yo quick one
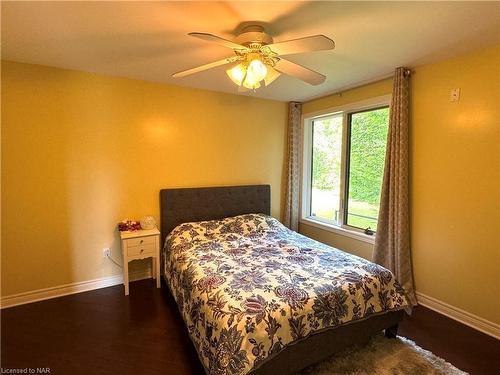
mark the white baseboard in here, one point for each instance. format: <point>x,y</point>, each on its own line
<point>459,315</point>
<point>63,290</point>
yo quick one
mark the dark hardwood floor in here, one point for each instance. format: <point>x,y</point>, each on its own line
<point>104,332</point>
<point>464,347</point>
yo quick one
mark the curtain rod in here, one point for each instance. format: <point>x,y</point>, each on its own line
<point>350,87</point>
<point>339,91</point>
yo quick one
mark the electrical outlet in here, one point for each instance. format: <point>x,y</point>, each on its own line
<point>454,95</point>
<point>106,252</point>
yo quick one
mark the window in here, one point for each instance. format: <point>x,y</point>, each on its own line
<point>326,156</point>
<point>344,154</point>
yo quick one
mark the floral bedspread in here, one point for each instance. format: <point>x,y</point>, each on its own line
<point>247,287</point>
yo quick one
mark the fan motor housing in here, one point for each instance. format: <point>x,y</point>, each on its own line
<point>253,34</point>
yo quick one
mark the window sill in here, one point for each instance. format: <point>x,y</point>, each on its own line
<point>338,230</point>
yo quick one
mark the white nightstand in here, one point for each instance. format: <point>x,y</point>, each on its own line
<point>141,244</point>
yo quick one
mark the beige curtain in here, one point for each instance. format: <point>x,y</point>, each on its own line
<point>392,242</point>
<point>291,211</point>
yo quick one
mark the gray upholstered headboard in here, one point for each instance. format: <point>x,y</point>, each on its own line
<point>179,206</point>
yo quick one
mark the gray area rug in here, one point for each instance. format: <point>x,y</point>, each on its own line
<point>383,356</point>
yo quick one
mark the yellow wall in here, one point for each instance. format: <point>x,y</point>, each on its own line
<point>82,151</point>
<point>455,179</point>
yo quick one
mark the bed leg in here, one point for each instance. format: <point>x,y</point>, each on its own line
<point>391,332</point>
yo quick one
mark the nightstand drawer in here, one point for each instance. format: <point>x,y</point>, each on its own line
<point>141,249</point>
<point>141,241</point>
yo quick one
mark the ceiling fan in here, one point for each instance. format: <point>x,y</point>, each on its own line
<point>256,58</point>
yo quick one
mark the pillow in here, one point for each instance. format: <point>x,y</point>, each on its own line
<point>241,225</point>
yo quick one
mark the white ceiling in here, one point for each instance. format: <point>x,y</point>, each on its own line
<point>147,40</point>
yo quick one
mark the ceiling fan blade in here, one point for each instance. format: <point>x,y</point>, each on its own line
<point>300,72</point>
<point>302,45</point>
<point>216,39</point>
<point>201,68</point>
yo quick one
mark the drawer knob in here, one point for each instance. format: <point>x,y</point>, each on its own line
<point>142,250</point>
<point>142,241</point>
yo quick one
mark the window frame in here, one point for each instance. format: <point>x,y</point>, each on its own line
<point>306,166</point>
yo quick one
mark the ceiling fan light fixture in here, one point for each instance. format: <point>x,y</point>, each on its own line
<point>259,59</point>
<point>249,74</point>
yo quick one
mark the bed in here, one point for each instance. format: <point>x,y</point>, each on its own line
<point>258,298</point>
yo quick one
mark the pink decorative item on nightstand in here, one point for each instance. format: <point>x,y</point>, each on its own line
<point>128,225</point>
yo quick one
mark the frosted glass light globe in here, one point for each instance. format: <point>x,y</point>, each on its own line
<point>256,71</point>
<point>237,73</point>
